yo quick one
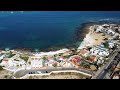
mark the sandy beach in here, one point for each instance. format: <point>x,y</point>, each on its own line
<point>92,39</point>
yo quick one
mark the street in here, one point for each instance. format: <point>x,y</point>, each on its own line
<point>103,71</point>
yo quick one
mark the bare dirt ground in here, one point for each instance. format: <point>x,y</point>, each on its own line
<point>4,74</point>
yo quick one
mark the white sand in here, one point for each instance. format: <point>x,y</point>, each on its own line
<point>91,39</point>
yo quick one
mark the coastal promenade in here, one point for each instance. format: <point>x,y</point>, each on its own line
<point>22,73</point>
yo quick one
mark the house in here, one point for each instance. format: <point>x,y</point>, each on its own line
<point>100,60</point>
<point>111,45</point>
<point>14,62</point>
<point>4,62</point>
<point>75,58</point>
<point>60,59</point>
<point>99,29</point>
<point>105,25</point>
<point>51,62</point>
<point>111,32</point>
<point>99,51</point>
<point>92,57</point>
<point>84,52</point>
<point>68,64</point>
<point>34,57</point>
<point>37,63</point>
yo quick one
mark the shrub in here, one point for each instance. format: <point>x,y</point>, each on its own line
<point>45,58</point>
<point>55,64</point>
<point>6,76</point>
<point>1,68</point>
<point>29,62</point>
<point>11,55</point>
<point>24,58</point>
<point>85,64</point>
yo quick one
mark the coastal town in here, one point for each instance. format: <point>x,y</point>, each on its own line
<point>97,57</point>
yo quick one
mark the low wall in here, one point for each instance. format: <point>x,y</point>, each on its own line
<point>68,74</point>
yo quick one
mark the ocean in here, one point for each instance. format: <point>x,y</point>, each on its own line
<point>44,29</point>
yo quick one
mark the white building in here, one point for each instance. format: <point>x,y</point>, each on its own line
<point>37,63</point>
<point>4,62</point>
<point>99,51</point>
<point>100,61</point>
<point>68,64</point>
<point>16,63</point>
<point>111,32</point>
<point>99,29</point>
<point>111,45</point>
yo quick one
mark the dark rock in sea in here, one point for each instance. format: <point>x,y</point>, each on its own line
<point>82,30</point>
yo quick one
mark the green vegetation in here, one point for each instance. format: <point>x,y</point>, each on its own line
<point>106,45</point>
<point>45,58</point>
<point>9,55</point>
<point>83,57</point>
<point>55,55</point>
<point>1,68</point>
<point>85,64</point>
<point>103,34</point>
<point>5,76</point>
<point>60,54</point>
<point>96,39</point>
<point>1,60</point>
<point>74,53</point>
<point>99,65</point>
<point>55,64</point>
<point>17,65</point>
<point>55,58</point>
<point>67,56</point>
<point>106,39</point>
<point>24,58</point>
<point>113,48</point>
<point>29,62</point>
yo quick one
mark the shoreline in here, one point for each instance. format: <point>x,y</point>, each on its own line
<point>83,30</point>
<point>92,53</point>
<point>78,36</point>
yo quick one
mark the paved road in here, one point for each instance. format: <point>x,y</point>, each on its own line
<point>102,72</point>
<point>21,73</point>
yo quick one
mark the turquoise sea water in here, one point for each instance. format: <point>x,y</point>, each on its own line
<point>43,29</point>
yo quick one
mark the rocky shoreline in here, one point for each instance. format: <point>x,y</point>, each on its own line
<point>78,36</point>
<point>81,31</point>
